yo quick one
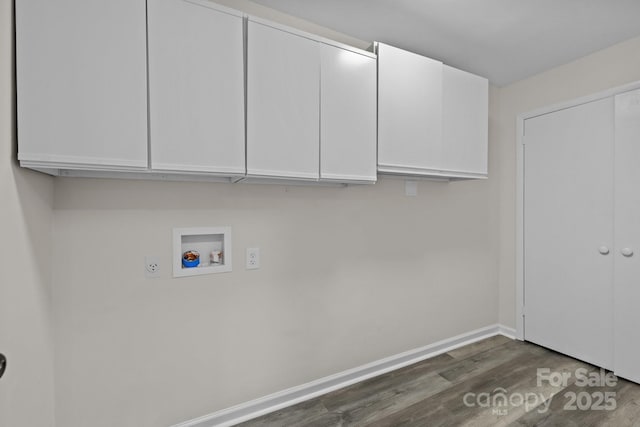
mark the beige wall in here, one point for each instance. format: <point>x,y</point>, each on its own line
<point>26,390</point>
<point>348,276</point>
<point>615,66</point>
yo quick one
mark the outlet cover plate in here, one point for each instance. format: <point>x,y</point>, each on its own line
<point>253,258</point>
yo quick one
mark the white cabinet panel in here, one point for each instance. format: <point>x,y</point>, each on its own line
<point>465,110</point>
<point>196,88</point>
<point>348,115</point>
<point>627,235</point>
<point>283,103</point>
<point>81,78</point>
<point>409,111</point>
<point>568,212</point>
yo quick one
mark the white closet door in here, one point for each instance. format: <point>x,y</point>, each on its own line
<point>627,235</point>
<point>348,116</point>
<point>283,105</point>
<point>568,227</point>
<point>196,87</point>
<point>82,83</point>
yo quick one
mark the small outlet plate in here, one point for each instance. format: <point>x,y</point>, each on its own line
<point>410,188</point>
<point>253,258</point>
<point>151,266</point>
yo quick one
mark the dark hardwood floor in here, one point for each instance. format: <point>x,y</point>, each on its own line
<point>494,382</point>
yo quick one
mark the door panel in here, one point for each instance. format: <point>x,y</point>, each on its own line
<point>82,83</point>
<point>196,88</point>
<point>283,104</point>
<point>627,235</point>
<point>465,112</point>
<point>409,109</point>
<point>348,115</point>
<point>568,216</point>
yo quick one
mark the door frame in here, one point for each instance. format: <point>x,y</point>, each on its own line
<point>520,154</point>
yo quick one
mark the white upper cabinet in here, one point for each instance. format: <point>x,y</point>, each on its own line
<point>432,118</point>
<point>409,112</point>
<point>348,115</point>
<point>196,87</point>
<point>465,122</point>
<point>311,109</point>
<point>283,103</point>
<point>81,83</point>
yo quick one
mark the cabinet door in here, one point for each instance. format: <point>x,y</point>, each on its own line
<point>409,111</point>
<point>568,223</point>
<point>196,87</point>
<point>348,115</point>
<point>82,83</point>
<point>283,90</point>
<point>627,237</point>
<point>465,111</point>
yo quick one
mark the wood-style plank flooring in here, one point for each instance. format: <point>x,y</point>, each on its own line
<point>493,382</point>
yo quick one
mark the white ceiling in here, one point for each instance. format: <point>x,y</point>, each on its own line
<point>504,40</point>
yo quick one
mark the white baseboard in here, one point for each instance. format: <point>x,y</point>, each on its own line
<point>282,399</point>
<point>507,332</point>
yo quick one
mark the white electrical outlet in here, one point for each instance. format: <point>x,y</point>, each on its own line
<point>151,266</point>
<point>253,258</point>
